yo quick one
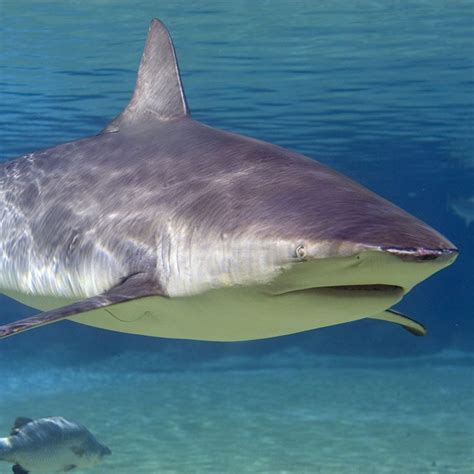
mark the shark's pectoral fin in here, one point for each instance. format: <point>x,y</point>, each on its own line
<point>158,93</point>
<point>407,323</point>
<point>17,469</point>
<point>135,286</point>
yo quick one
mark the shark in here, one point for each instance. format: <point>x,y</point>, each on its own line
<point>162,226</point>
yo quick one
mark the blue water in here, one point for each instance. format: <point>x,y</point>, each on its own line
<point>381,91</point>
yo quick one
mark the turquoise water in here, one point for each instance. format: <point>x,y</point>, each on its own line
<point>288,413</point>
<point>381,91</point>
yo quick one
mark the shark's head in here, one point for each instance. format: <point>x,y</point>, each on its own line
<point>296,229</point>
<point>253,214</point>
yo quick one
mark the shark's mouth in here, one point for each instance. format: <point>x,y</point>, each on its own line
<point>376,289</point>
<point>368,275</point>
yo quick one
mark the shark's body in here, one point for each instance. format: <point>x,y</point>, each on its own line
<point>163,226</point>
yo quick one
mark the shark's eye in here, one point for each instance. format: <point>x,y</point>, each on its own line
<point>300,251</point>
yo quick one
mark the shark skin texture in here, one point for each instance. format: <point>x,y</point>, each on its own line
<point>163,226</point>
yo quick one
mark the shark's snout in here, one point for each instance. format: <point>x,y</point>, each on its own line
<point>350,269</point>
<point>442,255</point>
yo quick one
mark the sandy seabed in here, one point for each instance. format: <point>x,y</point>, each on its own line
<point>288,413</point>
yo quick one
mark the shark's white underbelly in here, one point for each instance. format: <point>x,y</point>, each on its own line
<point>228,314</point>
<point>244,313</point>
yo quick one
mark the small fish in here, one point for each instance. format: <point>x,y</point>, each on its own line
<point>463,208</point>
<point>51,444</point>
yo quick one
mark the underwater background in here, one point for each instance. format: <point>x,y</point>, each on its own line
<point>381,91</point>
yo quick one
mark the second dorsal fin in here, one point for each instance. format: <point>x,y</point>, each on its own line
<point>158,91</point>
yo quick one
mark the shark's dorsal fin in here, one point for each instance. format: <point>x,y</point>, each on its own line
<point>19,423</point>
<point>158,93</point>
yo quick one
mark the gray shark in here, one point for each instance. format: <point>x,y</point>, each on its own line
<point>163,226</point>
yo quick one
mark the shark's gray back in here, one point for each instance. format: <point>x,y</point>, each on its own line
<point>91,211</point>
